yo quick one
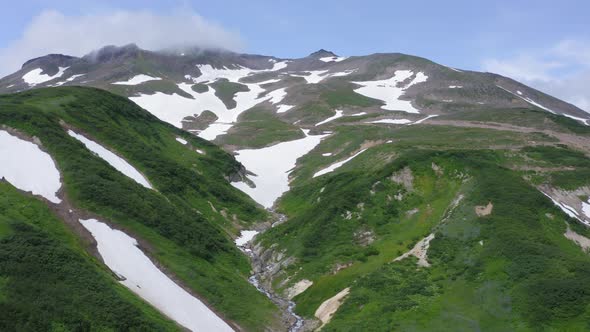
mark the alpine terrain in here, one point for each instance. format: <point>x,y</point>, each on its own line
<point>215,191</point>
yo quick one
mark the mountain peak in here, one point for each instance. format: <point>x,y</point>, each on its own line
<point>322,53</point>
<point>111,52</point>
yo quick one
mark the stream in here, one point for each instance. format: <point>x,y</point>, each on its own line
<point>287,306</point>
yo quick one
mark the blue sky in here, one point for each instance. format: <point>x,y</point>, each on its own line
<point>543,43</point>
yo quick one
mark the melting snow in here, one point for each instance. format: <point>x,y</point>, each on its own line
<point>28,168</point>
<point>426,118</point>
<point>138,79</point>
<point>388,91</point>
<point>121,254</point>
<point>69,79</point>
<point>174,108</point>
<point>392,121</point>
<point>528,100</point>
<point>327,154</point>
<point>358,114</point>
<point>586,208</point>
<point>245,237</point>
<point>455,86</point>
<point>582,120</point>
<point>570,211</point>
<point>284,108</point>
<point>115,161</point>
<point>333,58</point>
<point>181,140</point>
<point>276,96</point>
<point>316,76</point>
<point>334,117</point>
<point>272,166</point>
<point>35,77</point>
<point>334,166</point>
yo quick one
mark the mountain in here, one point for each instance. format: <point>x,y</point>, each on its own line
<point>380,192</point>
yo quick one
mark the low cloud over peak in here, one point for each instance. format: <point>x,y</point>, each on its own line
<point>53,32</point>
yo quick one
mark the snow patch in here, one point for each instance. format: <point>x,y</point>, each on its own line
<point>586,208</point>
<point>528,100</point>
<point>333,58</point>
<point>112,159</point>
<point>284,108</point>
<point>334,117</point>
<point>392,121</point>
<point>327,154</point>
<point>245,237</point>
<point>28,168</point>
<point>138,79</point>
<point>426,118</point>
<point>455,86</point>
<point>316,76</point>
<point>388,91</point>
<point>272,166</point>
<point>582,120</point>
<point>121,254</point>
<point>181,140</point>
<point>335,166</point>
<point>35,77</point>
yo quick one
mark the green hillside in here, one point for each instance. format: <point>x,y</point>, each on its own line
<point>188,219</point>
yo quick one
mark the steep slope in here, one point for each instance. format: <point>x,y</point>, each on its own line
<point>49,282</point>
<point>183,221</point>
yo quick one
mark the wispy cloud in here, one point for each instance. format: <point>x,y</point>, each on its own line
<point>53,32</point>
<point>561,70</point>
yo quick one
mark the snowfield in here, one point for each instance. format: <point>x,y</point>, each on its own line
<point>117,162</point>
<point>138,79</point>
<point>35,77</point>
<point>335,166</point>
<point>121,254</point>
<point>272,166</point>
<point>28,168</point>
<point>388,91</point>
<point>174,108</point>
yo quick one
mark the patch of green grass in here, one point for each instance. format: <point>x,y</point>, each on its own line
<point>258,128</point>
<point>226,91</point>
<point>347,97</point>
<point>200,88</point>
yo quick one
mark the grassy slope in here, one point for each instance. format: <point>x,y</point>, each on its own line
<point>49,282</point>
<point>187,236</point>
<point>492,287</point>
<point>525,276</point>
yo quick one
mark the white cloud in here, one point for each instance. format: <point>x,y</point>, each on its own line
<point>562,70</point>
<point>54,32</point>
